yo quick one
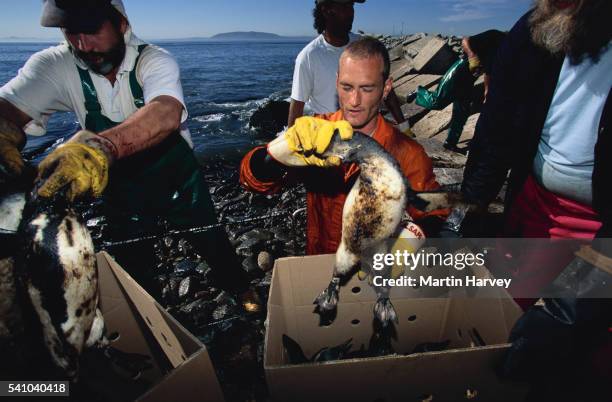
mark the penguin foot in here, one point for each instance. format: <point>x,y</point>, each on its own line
<point>385,312</point>
<point>328,299</point>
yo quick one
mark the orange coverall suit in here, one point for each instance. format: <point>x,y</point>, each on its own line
<point>327,188</point>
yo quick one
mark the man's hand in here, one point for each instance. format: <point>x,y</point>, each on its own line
<point>304,143</point>
<point>12,140</point>
<point>80,167</point>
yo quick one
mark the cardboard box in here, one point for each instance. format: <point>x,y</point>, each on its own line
<point>182,368</point>
<point>464,371</point>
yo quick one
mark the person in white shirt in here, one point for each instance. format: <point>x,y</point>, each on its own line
<point>316,66</point>
<point>134,147</point>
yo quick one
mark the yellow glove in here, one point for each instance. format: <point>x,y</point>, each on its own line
<point>11,140</point>
<point>474,64</point>
<point>304,143</point>
<point>80,166</point>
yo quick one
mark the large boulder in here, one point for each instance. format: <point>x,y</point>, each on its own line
<point>403,80</point>
<point>413,112</point>
<point>434,123</point>
<point>435,58</point>
<point>413,47</point>
<point>271,118</point>
<point>441,157</point>
<point>396,53</point>
<point>400,68</point>
<point>468,130</point>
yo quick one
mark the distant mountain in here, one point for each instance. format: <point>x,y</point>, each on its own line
<point>256,36</point>
<point>29,39</point>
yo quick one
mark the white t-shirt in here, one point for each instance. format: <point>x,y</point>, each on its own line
<point>566,153</point>
<point>314,77</point>
<point>49,82</point>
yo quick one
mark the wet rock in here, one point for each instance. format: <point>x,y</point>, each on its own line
<point>203,268</point>
<point>185,248</point>
<point>188,287</point>
<point>170,291</point>
<point>198,312</point>
<point>265,261</point>
<point>245,251</point>
<point>281,234</point>
<point>185,266</point>
<point>271,118</point>
<point>250,265</point>
<point>168,242</point>
<point>225,298</point>
<point>221,312</point>
<point>255,235</point>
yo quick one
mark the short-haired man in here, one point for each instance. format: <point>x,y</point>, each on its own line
<point>314,76</point>
<point>133,147</point>
<point>363,82</point>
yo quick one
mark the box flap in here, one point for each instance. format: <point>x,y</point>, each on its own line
<point>119,317</point>
<point>150,313</point>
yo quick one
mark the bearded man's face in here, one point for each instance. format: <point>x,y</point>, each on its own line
<point>571,27</point>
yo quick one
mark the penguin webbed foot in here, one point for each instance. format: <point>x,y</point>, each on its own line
<point>328,299</point>
<point>385,312</point>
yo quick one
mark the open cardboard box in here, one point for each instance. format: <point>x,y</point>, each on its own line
<point>478,329</point>
<point>182,370</point>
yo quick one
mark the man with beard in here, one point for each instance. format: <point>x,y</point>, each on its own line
<point>362,83</point>
<point>134,147</point>
<point>314,76</point>
<point>547,120</point>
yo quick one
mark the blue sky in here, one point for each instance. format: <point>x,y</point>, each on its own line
<point>188,18</point>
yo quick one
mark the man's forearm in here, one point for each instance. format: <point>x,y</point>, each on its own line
<point>392,103</point>
<point>296,109</point>
<point>149,126</point>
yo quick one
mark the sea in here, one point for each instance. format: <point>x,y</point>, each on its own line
<point>223,84</point>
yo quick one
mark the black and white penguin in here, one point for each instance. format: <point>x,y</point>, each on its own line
<point>371,215</point>
<point>59,274</point>
<point>48,281</point>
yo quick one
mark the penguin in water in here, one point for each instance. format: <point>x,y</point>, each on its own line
<point>49,280</point>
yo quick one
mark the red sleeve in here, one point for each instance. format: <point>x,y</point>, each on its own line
<point>418,168</point>
<point>250,182</point>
